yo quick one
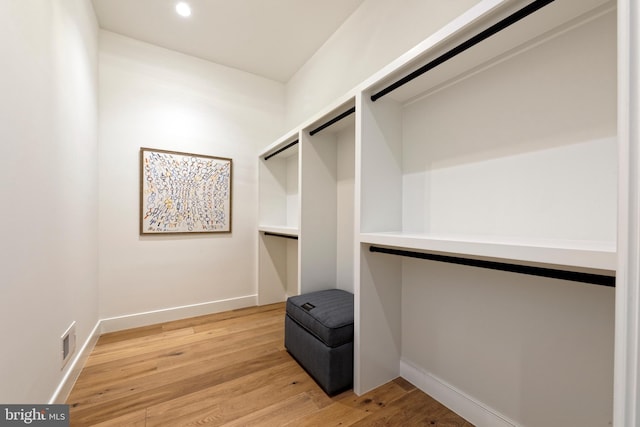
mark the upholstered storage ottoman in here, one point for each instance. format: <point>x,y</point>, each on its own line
<point>318,333</point>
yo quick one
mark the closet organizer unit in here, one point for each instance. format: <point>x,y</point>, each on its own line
<point>327,196</point>
<point>278,220</point>
<point>490,144</point>
<point>306,203</point>
<point>495,148</point>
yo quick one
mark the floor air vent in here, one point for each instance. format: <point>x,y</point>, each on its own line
<point>68,344</point>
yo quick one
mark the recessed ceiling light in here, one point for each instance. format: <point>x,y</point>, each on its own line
<point>183,9</point>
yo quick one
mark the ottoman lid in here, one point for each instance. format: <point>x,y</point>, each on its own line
<point>326,314</point>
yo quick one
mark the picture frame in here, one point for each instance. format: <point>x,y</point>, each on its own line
<point>184,193</point>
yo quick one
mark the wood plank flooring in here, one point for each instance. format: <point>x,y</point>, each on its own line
<point>228,369</point>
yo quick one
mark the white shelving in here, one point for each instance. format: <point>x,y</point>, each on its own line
<point>279,187</point>
<point>307,194</point>
<point>558,253</point>
<point>507,152</point>
<point>283,231</point>
<point>493,151</point>
<point>278,214</point>
<point>327,215</point>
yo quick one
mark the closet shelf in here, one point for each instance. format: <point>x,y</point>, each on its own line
<point>570,253</point>
<point>278,229</point>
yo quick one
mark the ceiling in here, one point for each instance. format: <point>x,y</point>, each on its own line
<point>270,38</point>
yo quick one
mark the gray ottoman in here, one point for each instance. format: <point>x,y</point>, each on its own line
<point>318,333</point>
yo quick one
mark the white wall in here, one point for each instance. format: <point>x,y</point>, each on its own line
<point>48,129</point>
<point>153,97</point>
<point>345,232</point>
<point>378,32</point>
<point>538,351</point>
<point>561,176</point>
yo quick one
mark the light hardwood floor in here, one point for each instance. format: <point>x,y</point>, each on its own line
<point>228,369</point>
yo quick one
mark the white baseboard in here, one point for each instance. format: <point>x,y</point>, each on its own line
<point>136,320</point>
<point>75,367</point>
<point>459,402</point>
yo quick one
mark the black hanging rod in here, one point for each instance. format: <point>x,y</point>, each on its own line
<point>594,279</point>
<point>332,121</point>
<point>496,28</point>
<point>281,150</point>
<point>286,236</point>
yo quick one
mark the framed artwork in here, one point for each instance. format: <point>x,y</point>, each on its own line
<point>184,193</point>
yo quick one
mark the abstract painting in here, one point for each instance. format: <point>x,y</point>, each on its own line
<point>184,193</point>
